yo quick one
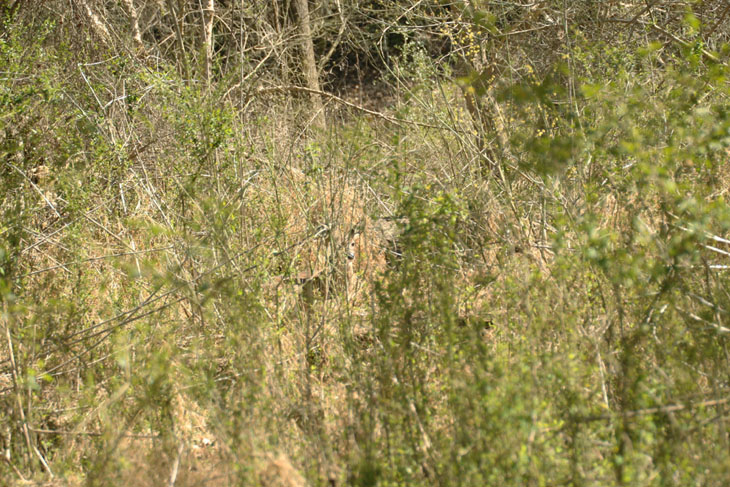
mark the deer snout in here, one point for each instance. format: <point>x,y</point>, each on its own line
<point>351,251</point>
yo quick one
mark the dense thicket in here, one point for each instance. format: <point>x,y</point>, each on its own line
<point>364,242</point>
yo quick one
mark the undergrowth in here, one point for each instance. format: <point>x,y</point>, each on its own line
<point>197,289</point>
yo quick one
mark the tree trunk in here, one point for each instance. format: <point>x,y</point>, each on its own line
<point>208,14</point>
<point>309,64</point>
<point>134,18</point>
<point>96,23</point>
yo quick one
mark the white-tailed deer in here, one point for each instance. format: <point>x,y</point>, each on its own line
<point>336,273</point>
<point>327,248</point>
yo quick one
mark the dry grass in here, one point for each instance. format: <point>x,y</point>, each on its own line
<point>279,307</point>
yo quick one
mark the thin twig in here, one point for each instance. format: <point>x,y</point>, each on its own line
<point>94,259</point>
<point>719,21</point>
<point>91,433</point>
<point>669,408</point>
<point>38,190</point>
<point>16,381</point>
<point>387,118</point>
<point>684,43</point>
<point>176,465</point>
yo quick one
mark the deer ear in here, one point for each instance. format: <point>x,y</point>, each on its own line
<point>357,229</point>
<point>323,230</point>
